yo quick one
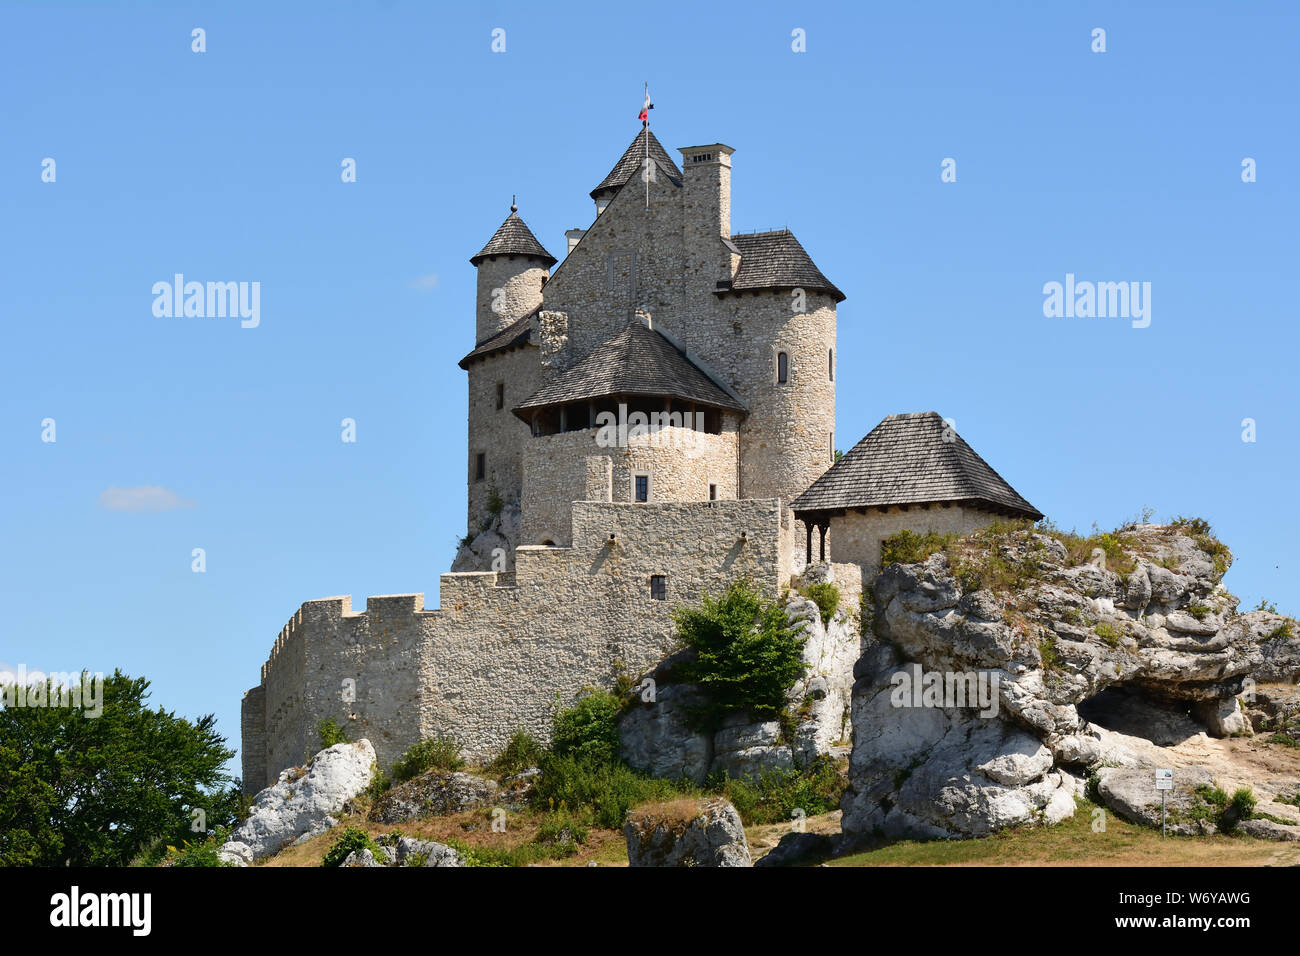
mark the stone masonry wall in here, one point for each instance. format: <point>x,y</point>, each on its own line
<point>495,433</point>
<point>509,287</point>
<point>501,648</point>
<point>681,463</point>
<point>856,537</point>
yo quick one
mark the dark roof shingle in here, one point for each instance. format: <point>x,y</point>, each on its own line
<point>513,238</point>
<point>776,260</point>
<point>633,159</point>
<point>905,460</point>
<point>637,361</point>
<point>513,335</point>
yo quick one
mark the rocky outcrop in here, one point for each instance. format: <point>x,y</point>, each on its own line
<point>304,802</point>
<point>1037,637</point>
<point>495,539</point>
<point>1132,795</point>
<point>1275,709</point>
<point>656,735</point>
<point>397,850</point>
<point>435,793</point>
<point>686,833</point>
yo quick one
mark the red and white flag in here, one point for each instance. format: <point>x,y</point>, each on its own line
<point>646,107</point>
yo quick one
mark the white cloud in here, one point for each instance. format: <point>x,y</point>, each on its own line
<point>143,498</point>
<point>425,283</point>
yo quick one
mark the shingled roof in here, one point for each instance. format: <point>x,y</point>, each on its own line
<point>513,238</point>
<point>776,260</point>
<point>906,461</point>
<point>637,361</point>
<point>512,336</point>
<point>631,161</point>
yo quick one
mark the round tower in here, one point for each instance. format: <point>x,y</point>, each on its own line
<point>512,268</point>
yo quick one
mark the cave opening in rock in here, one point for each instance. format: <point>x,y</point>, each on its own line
<point>1135,712</point>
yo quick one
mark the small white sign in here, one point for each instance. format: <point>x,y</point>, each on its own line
<point>1164,780</point>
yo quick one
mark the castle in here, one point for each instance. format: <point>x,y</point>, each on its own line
<point>649,420</point>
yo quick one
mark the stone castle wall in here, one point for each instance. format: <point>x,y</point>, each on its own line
<point>509,287</point>
<point>498,434</point>
<point>502,646</point>
<point>561,469</point>
<point>855,537</point>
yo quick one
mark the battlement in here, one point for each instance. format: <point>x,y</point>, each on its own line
<point>492,658</point>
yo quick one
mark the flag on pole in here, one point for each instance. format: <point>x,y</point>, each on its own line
<point>646,107</point>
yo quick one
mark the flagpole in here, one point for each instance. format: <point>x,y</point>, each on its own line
<point>645,173</point>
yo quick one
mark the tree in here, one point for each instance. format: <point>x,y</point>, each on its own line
<point>747,654</point>
<point>84,790</point>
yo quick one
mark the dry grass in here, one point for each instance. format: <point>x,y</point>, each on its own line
<point>473,827</point>
<point>1072,843</point>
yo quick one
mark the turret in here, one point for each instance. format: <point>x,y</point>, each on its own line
<point>512,269</point>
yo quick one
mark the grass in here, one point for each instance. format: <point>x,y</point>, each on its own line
<point>1073,843</point>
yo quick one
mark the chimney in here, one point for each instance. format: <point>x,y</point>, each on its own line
<point>707,181</point>
<point>574,236</point>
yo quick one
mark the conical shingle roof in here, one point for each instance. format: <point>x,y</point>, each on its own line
<point>908,460</point>
<point>637,361</point>
<point>514,238</point>
<point>777,260</point>
<point>630,163</point>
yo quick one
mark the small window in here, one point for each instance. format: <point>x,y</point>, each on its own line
<point>501,395</point>
<point>480,466</point>
<point>713,492</point>
<point>832,447</point>
<point>830,364</point>
<point>641,485</point>
<point>658,587</point>
<point>782,368</point>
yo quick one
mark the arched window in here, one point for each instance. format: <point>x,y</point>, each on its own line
<point>782,368</point>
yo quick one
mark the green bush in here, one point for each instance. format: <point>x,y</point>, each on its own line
<point>588,729</point>
<point>521,752</point>
<point>599,792</point>
<point>330,733</point>
<point>774,796</point>
<point>351,840</point>
<point>1241,806</point>
<point>909,547</point>
<point>199,854</point>
<point>1108,633</point>
<point>746,655</point>
<point>827,598</point>
<point>435,753</point>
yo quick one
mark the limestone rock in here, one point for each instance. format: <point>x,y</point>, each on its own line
<point>1268,830</point>
<point>686,833</point>
<point>410,852</point>
<point>796,849</point>
<point>1150,647</point>
<point>1133,795</point>
<point>435,793</point>
<point>1222,716</point>
<point>302,803</point>
<point>656,738</point>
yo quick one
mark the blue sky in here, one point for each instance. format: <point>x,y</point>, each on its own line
<point>225,165</point>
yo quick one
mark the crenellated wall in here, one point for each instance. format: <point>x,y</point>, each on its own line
<point>502,646</point>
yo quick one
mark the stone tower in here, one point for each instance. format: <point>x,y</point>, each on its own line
<point>512,269</point>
